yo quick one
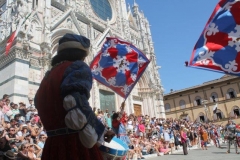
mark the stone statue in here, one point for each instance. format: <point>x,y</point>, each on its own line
<point>47,30</point>
<point>69,23</point>
<point>3,34</point>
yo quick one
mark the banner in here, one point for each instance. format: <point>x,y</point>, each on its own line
<point>218,48</point>
<point>119,65</point>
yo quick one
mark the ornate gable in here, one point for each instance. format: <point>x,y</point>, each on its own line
<point>67,20</point>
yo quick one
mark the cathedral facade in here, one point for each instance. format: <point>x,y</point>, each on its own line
<point>46,21</point>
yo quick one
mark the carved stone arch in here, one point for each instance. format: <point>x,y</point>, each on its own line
<point>143,81</point>
<point>201,117</point>
<point>234,112</point>
<point>218,115</point>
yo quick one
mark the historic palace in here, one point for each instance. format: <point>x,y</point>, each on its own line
<point>198,103</point>
<point>22,70</point>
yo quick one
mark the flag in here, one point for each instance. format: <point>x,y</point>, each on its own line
<point>119,65</point>
<point>218,48</point>
<point>215,108</point>
<point>14,34</point>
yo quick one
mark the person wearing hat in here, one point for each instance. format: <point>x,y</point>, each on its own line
<point>9,155</point>
<point>63,93</point>
<point>30,109</point>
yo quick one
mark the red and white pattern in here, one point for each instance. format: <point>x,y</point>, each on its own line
<point>119,65</point>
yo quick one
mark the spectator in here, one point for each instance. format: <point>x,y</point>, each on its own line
<point>106,113</point>
<point>12,135</point>
<point>15,111</point>
<point>4,145</point>
<point>41,142</point>
<point>3,101</point>
<point>34,152</point>
<point>36,117</point>
<point>23,153</point>
<point>109,121</point>
<point>141,128</point>
<point>9,155</point>
<point>130,124</point>
<point>183,139</point>
<point>23,132</point>
<point>17,119</point>
<point>34,130</point>
<point>22,110</point>
<point>13,146</point>
<point>204,137</point>
<point>1,118</point>
<point>29,111</point>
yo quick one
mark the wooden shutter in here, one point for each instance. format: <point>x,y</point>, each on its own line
<point>198,119</point>
<point>231,114</point>
<point>235,93</point>
<point>222,114</point>
<point>195,103</point>
<point>227,96</point>
<point>211,100</point>
<point>214,116</point>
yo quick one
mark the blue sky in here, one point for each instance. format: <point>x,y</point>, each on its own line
<point>176,26</point>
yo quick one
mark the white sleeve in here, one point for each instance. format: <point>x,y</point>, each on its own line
<point>19,133</point>
<point>76,120</point>
<point>101,140</point>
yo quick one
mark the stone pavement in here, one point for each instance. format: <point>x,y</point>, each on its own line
<point>212,153</point>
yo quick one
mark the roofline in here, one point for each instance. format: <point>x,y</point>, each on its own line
<point>222,79</point>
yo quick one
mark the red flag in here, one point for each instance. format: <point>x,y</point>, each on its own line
<point>12,37</point>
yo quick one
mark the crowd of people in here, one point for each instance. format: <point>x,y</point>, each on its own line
<point>22,134</point>
<point>148,135</point>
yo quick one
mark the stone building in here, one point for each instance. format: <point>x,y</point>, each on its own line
<point>29,58</point>
<point>197,103</point>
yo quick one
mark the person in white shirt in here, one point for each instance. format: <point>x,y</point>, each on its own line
<point>30,109</point>
<point>1,118</point>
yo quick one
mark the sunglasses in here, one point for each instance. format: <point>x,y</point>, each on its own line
<point>26,147</point>
<point>12,130</point>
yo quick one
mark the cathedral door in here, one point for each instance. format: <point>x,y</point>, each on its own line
<point>107,101</point>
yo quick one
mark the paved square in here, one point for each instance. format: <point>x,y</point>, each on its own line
<point>212,153</point>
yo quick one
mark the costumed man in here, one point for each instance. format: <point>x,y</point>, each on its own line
<point>231,137</point>
<point>119,123</point>
<point>122,131</point>
<point>73,130</point>
<point>238,134</point>
<point>215,137</point>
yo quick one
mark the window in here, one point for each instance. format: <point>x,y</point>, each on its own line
<point>214,97</point>
<point>102,8</point>
<point>218,115</point>
<point>236,111</point>
<point>197,101</point>
<point>182,104</point>
<point>202,119</point>
<point>34,4</point>
<point>167,107</point>
<point>231,93</point>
